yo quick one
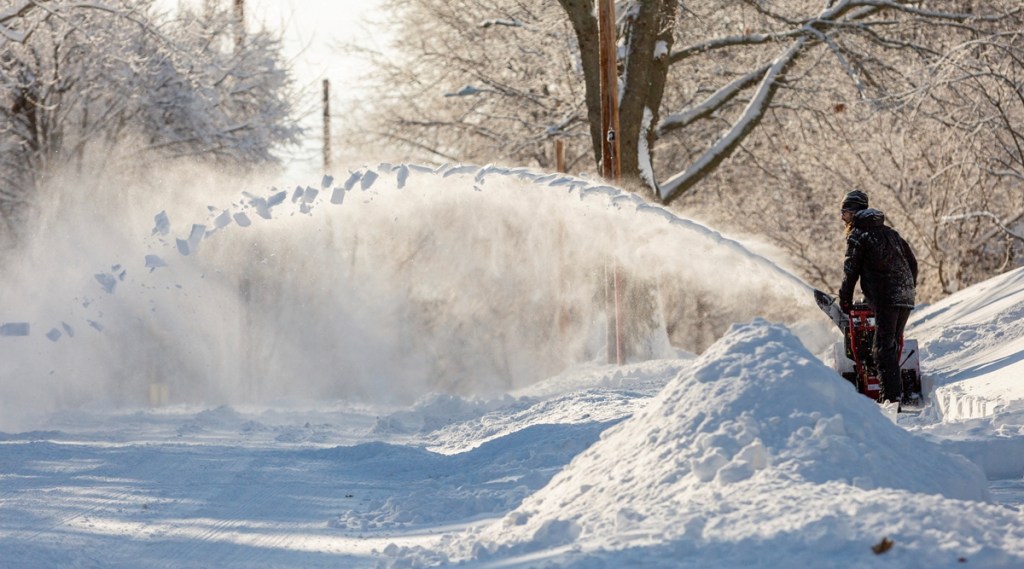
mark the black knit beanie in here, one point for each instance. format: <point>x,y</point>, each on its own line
<point>855,201</point>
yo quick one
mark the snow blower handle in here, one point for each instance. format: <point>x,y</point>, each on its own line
<point>905,360</point>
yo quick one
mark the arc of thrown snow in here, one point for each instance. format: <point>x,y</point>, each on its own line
<point>587,189</point>
<point>719,239</point>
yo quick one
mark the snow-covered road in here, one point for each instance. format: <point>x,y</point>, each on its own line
<point>752,453</point>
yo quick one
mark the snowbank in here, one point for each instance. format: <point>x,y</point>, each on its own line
<point>758,454</point>
<point>971,343</point>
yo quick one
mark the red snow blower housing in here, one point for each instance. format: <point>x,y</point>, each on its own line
<point>854,358</point>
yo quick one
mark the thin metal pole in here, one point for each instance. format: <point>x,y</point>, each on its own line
<point>239,24</point>
<point>620,355</point>
<point>327,126</point>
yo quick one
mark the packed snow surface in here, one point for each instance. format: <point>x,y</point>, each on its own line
<point>132,436</point>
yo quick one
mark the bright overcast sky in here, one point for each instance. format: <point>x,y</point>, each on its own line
<point>312,31</point>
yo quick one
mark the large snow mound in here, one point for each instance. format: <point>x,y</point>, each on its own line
<point>758,453</point>
<point>971,347</point>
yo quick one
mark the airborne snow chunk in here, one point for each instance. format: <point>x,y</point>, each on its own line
<point>327,181</point>
<point>491,169</point>
<point>368,179</point>
<point>14,329</point>
<point>310,195</point>
<point>163,224</point>
<point>460,170</point>
<point>338,195</point>
<point>53,335</point>
<point>68,329</point>
<point>277,199</point>
<point>182,246</point>
<point>261,207</point>
<point>242,219</point>
<point>403,175</point>
<point>464,91</point>
<point>195,236</point>
<point>297,194</point>
<point>154,262</point>
<point>107,281</point>
<point>222,220</point>
<point>351,181</point>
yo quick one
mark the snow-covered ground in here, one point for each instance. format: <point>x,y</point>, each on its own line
<point>121,450</point>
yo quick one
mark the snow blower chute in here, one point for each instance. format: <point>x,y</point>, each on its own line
<point>854,359</point>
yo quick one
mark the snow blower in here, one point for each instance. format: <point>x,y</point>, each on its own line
<point>853,358</point>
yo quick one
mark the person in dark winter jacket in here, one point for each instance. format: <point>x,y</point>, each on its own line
<point>886,267</point>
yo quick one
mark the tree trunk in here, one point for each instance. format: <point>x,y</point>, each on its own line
<point>584,23</point>
<point>649,40</point>
<point>643,72</point>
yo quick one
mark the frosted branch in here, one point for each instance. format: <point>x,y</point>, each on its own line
<point>721,150</point>
<point>717,99</point>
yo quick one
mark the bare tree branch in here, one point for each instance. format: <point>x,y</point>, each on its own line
<point>674,186</point>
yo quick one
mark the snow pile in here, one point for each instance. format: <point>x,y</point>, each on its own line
<point>437,410</point>
<point>585,394</point>
<point>971,340</point>
<point>758,454</point>
<point>972,346</point>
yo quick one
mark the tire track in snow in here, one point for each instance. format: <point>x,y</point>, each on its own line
<point>248,511</point>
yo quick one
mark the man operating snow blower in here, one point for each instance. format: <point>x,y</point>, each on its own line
<point>887,269</point>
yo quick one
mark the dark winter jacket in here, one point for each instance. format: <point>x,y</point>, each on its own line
<point>881,259</point>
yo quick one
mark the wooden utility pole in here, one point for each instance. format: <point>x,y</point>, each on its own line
<point>610,164</point>
<point>560,155</point>
<point>327,126</point>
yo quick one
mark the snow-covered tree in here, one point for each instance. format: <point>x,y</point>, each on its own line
<point>941,157</point>
<point>970,179</point>
<point>475,81</point>
<point>502,77</point>
<point>102,86</point>
<point>760,115</point>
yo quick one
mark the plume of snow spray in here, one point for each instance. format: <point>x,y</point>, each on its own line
<point>384,284</point>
